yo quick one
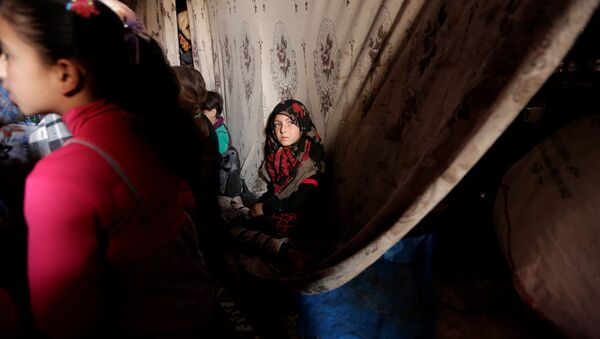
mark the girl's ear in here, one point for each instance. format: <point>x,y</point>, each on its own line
<point>69,76</point>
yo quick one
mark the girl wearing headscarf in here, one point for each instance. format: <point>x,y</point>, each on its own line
<point>293,167</point>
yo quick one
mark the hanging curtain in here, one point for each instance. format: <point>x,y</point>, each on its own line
<point>160,21</point>
<point>204,52</point>
<point>407,95</point>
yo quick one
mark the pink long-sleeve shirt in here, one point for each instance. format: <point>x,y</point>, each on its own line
<point>83,218</point>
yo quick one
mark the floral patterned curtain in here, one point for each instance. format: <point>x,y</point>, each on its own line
<point>407,95</point>
<point>160,21</point>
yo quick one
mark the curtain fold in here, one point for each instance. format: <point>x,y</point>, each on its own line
<point>160,20</point>
<point>407,95</point>
<point>204,52</point>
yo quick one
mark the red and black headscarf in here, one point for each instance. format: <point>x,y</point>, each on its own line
<point>288,166</point>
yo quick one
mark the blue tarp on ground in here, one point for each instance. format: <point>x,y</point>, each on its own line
<point>391,299</point>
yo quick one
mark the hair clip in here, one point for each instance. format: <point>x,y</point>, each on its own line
<point>85,8</point>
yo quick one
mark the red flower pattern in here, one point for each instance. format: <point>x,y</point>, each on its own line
<point>85,8</point>
<point>298,109</point>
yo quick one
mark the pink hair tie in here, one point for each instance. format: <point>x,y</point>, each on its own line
<point>85,8</point>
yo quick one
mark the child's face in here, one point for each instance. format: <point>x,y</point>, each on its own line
<point>27,78</point>
<point>286,132</point>
<point>211,114</point>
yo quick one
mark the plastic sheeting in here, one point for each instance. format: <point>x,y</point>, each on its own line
<point>391,299</point>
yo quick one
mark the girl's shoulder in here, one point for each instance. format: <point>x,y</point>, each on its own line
<point>72,165</point>
<point>70,176</point>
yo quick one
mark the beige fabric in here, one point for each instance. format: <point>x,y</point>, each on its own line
<point>407,95</point>
<point>206,59</point>
<point>546,216</point>
<point>184,24</point>
<point>160,21</point>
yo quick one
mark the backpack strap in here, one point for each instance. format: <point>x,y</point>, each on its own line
<point>114,164</point>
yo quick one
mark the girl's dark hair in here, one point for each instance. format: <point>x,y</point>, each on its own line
<point>132,73</point>
<point>213,101</point>
<point>192,89</point>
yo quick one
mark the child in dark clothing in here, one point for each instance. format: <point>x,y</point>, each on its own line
<point>212,107</point>
<point>192,93</point>
<point>294,162</point>
<point>230,182</point>
<point>293,167</point>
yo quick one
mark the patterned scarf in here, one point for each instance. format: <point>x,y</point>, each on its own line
<point>304,158</point>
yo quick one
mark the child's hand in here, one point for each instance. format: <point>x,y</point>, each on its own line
<point>256,210</point>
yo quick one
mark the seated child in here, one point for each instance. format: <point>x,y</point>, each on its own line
<point>212,107</point>
<point>192,93</point>
<point>294,164</point>
<point>230,183</point>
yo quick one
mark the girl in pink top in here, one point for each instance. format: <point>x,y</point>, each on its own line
<point>111,249</point>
